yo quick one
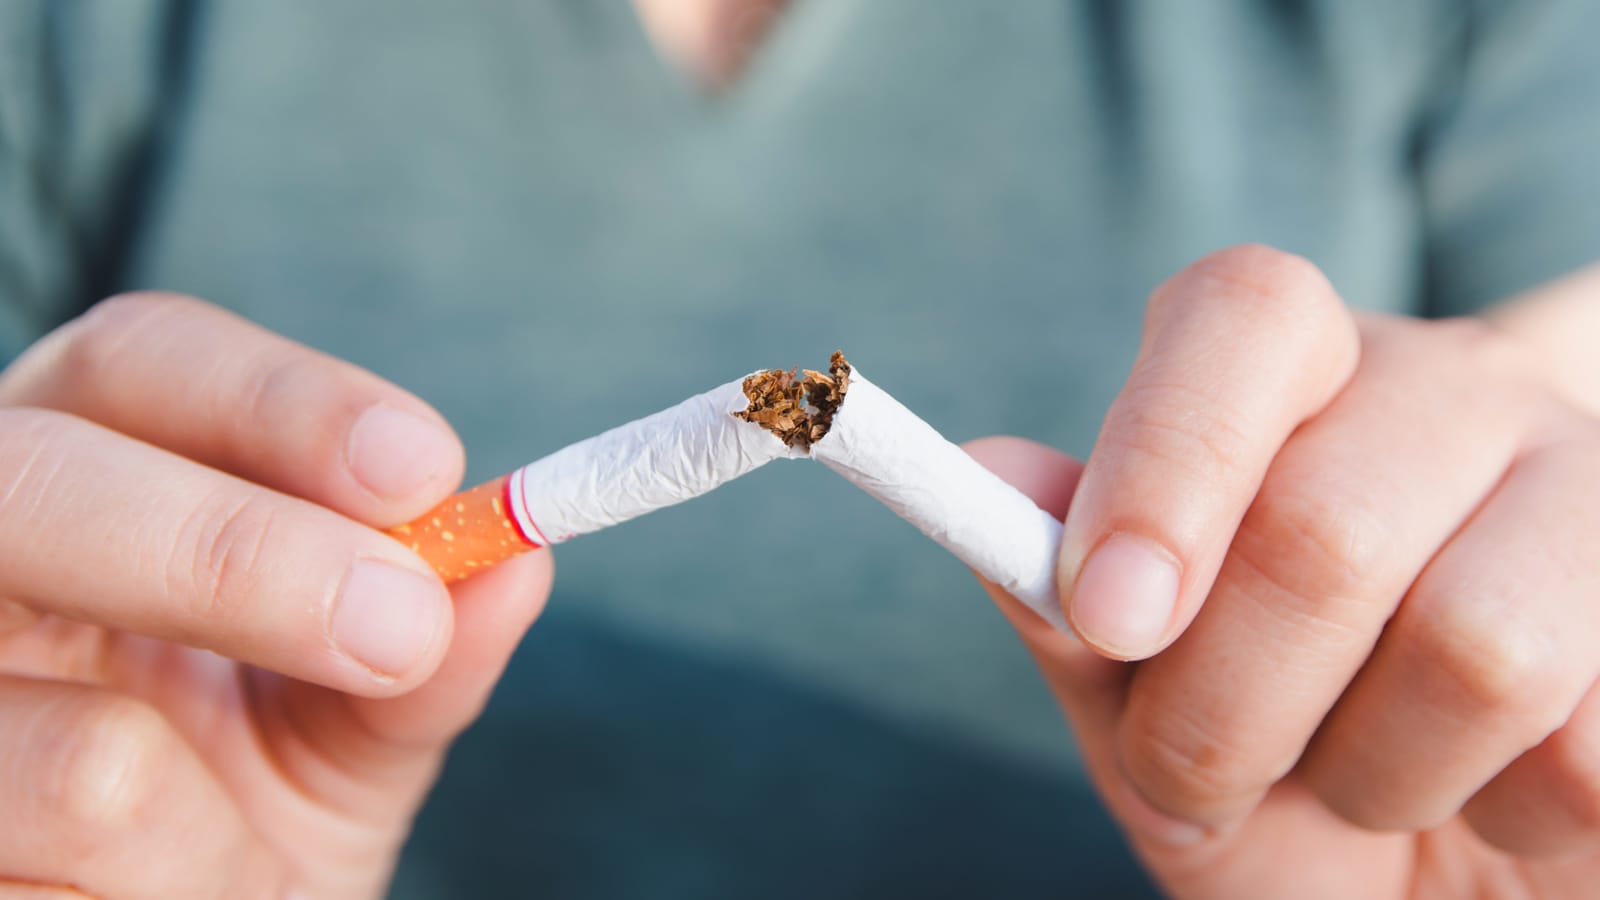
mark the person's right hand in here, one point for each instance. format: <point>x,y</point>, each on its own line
<point>216,680</point>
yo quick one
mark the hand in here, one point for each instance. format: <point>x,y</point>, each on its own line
<point>173,481</point>
<point>1359,558</point>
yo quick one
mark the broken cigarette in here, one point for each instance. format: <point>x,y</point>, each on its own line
<point>837,417</point>
<point>650,463</point>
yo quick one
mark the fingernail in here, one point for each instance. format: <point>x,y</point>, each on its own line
<point>387,618</point>
<point>1125,596</point>
<point>1154,826</point>
<point>395,454</point>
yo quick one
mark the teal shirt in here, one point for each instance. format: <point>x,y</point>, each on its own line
<point>517,211</point>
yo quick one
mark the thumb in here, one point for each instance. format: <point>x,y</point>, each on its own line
<point>1291,846</point>
<point>493,612</point>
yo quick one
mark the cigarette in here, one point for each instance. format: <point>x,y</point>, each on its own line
<point>838,418</point>
<point>666,458</point>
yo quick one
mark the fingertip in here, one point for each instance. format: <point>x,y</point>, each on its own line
<point>404,460</point>
<point>493,611</point>
<point>1124,598</point>
<point>394,623</point>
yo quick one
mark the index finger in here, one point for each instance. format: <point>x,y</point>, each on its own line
<point>208,385</point>
<point>1238,350</point>
<point>99,528</point>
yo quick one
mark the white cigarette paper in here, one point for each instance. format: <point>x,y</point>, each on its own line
<point>841,419</point>
<point>657,461</point>
<point>888,451</point>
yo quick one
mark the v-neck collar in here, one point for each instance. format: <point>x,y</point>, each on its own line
<point>714,46</point>
<point>753,76</point>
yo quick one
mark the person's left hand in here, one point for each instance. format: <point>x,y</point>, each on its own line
<point>1359,560</point>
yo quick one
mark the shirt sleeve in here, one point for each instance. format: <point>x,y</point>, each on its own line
<point>1510,169</point>
<point>82,89</point>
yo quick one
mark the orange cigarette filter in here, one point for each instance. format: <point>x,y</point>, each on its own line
<point>468,532</point>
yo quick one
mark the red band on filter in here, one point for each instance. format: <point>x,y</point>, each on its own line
<point>517,510</point>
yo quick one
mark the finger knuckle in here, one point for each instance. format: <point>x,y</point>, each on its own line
<point>1318,559</point>
<point>299,394</point>
<point>273,391</point>
<point>1188,768</point>
<point>1274,290</point>
<point>1260,265</point>
<point>1271,281</point>
<point>1489,664</point>
<point>110,753</point>
<point>221,553</point>
<point>1178,426</point>
<point>92,345</point>
<point>32,456</point>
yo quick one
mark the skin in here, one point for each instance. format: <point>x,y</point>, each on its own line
<point>176,481</point>
<point>1333,578</point>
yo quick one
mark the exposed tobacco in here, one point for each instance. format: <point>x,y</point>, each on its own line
<point>799,409</point>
